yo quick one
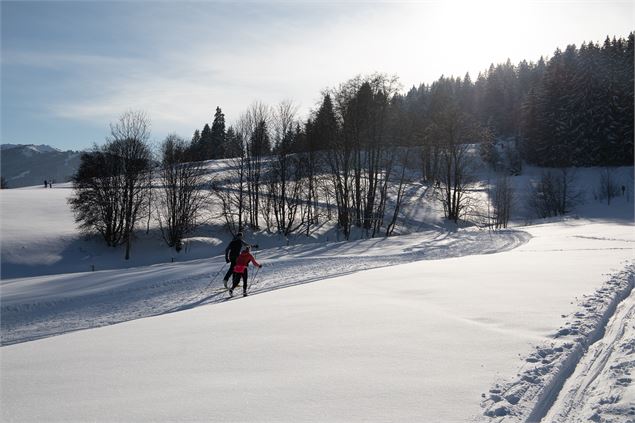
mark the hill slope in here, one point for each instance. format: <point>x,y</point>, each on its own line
<point>430,326</point>
<point>416,341</point>
<point>28,165</point>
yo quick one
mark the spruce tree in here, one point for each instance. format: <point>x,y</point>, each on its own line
<point>233,144</point>
<point>324,131</point>
<point>218,135</point>
<point>260,141</point>
<point>205,152</point>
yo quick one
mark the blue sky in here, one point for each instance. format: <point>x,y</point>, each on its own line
<point>71,68</point>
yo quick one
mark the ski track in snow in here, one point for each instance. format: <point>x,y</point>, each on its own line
<point>284,267</point>
<point>607,359</point>
<point>568,365</point>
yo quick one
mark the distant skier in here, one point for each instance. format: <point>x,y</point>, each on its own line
<point>46,184</point>
<point>232,252</point>
<point>240,270</point>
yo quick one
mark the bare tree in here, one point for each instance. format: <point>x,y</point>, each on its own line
<point>357,156</point>
<point>454,130</point>
<point>321,134</point>
<point>253,126</point>
<point>554,193</point>
<point>502,201</point>
<point>286,174</point>
<point>133,125</point>
<point>96,200</point>
<point>609,187</point>
<point>232,192</point>
<point>404,158</point>
<point>112,182</point>
<point>182,198</point>
<point>129,142</point>
<point>340,161</point>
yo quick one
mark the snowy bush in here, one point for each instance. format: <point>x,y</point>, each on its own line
<point>554,194</point>
<point>609,187</point>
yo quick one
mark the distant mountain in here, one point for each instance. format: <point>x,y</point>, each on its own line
<point>42,148</point>
<point>27,165</point>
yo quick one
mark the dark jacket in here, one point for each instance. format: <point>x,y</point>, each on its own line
<point>234,248</point>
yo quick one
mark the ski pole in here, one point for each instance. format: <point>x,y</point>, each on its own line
<point>255,279</point>
<point>213,279</point>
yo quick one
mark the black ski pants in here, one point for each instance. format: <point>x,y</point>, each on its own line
<point>232,263</point>
<point>237,277</point>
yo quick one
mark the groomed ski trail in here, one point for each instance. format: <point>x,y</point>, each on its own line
<point>117,296</point>
<point>583,398</point>
<point>560,373</point>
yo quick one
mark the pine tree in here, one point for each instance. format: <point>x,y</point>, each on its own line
<point>205,151</point>
<point>218,135</point>
<point>466,96</point>
<point>260,141</point>
<point>196,138</point>
<point>324,131</point>
<point>233,144</point>
<point>533,141</point>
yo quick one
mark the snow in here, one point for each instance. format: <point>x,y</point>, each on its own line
<point>607,364</point>
<point>429,326</point>
<point>21,175</point>
<point>36,227</point>
<point>42,148</point>
<point>50,305</point>
<point>531,395</point>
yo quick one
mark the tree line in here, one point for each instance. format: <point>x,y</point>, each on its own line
<point>573,109</point>
<point>352,159</point>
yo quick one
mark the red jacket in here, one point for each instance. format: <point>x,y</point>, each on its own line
<point>243,261</point>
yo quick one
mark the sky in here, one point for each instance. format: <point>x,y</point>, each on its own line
<point>69,69</point>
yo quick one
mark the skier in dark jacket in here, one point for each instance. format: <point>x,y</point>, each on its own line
<point>232,252</point>
<point>240,270</point>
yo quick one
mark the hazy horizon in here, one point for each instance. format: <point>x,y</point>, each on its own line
<point>71,68</point>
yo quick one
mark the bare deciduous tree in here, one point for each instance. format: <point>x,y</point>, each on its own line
<point>609,187</point>
<point>502,202</point>
<point>182,199</point>
<point>112,182</point>
<point>96,199</point>
<point>404,158</point>
<point>129,142</point>
<point>286,176</point>
<point>233,195</point>
<point>454,130</point>
<point>554,193</point>
<point>253,126</point>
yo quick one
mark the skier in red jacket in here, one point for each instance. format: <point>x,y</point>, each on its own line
<point>240,270</point>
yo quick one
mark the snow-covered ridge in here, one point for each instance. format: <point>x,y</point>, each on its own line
<point>42,148</point>
<point>538,382</point>
<point>30,165</point>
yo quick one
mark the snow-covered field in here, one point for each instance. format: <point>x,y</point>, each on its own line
<point>432,326</point>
